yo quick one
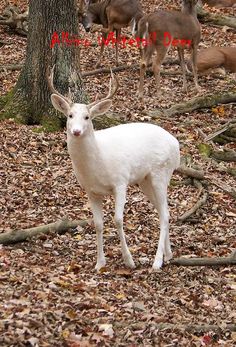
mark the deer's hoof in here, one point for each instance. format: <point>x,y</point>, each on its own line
<point>129,262</point>
<point>168,256</point>
<point>100,264</point>
<point>157,264</point>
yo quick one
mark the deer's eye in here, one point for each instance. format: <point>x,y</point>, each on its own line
<point>70,116</point>
<point>87,117</point>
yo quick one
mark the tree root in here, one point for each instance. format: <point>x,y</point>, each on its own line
<point>59,227</point>
<point>231,260</point>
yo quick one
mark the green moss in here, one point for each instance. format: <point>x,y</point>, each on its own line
<point>15,106</point>
<point>38,130</point>
<point>205,149</point>
<point>232,171</point>
<point>106,121</point>
<point>52,121</point>
<point>5,99</point>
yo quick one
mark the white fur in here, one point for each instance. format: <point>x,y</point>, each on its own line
<point>107,161</point>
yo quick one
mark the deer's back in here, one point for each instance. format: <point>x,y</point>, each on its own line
<point>121,12</point>
<point>177,24</point>
<point>139,144</point>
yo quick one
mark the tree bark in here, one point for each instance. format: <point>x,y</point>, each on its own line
<point>59,227</point>
<point>30,102</point>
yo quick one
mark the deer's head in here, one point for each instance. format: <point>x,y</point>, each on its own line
<point>79,116</point>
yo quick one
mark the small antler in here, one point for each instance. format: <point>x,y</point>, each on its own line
<point>50,76</point>
<point>113,86</point>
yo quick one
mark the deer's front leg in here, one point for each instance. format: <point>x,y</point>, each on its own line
<point>120,199</point>
<point>103,43</point>
<point>96,206</point>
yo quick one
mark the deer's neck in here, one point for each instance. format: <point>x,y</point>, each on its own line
<point>99,13</point>
<point>83,150</point>
<point>86,157</point>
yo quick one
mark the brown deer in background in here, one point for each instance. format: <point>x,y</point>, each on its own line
<point>112,15</point>
<point>216,57</point>
<point>169,28</point>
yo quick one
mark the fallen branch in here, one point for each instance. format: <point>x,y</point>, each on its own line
<point>231,260</point>
<point>207,17</point>
<point>133,66</point>
<point>199,174</point>
<point>229,190</point>
<point>221,130</point>
<point>59,227</point>
<point>200,102</point>
<point>12,67</point>
<point>226,155</point>
<point>228,128</point>
<point>191,328</point>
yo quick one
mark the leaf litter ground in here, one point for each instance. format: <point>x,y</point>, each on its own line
<point>50,294</point>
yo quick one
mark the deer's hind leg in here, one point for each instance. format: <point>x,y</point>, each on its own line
<point>158,59</point>
<point>194,66</point>
<point>183,67</point>
<point>155,188</point>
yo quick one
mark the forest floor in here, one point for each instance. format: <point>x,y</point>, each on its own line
<point>50,294</point>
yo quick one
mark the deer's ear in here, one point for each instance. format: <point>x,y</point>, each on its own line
<point>60,104</point>
<point>100,108</point>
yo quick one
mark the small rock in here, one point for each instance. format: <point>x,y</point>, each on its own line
<point>47,245</point>
<point>139,306</point>
<point>143,260</point>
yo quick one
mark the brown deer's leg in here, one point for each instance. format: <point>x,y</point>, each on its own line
<point>183,67</point>
<point>104,37</point>
<point>118,31</point>
<point>145,58</point>
<point>156,65</point>
<point>194,67</point>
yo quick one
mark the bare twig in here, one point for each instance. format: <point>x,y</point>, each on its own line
<point>197,205</point>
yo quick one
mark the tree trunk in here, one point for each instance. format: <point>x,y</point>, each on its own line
<point>29,102</point>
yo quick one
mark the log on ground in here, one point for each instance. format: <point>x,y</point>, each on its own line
<point>59,227</point>
<point>231,260</point>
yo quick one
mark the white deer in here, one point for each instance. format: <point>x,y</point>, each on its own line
<point>105,162</point>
